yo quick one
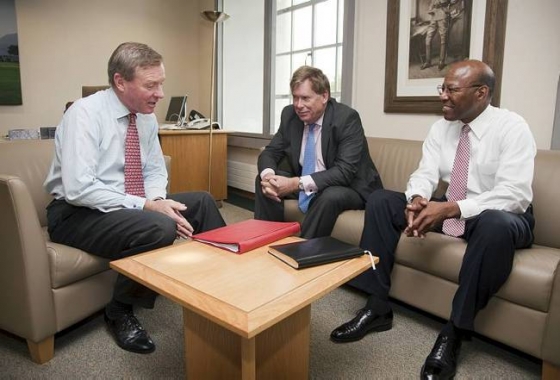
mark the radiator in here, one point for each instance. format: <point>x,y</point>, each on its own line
<point>241,175</point>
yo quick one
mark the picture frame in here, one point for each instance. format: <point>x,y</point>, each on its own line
<point>10,73</point>
<point>414,96</point>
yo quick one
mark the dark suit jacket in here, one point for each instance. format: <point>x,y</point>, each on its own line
<point>344,147</point>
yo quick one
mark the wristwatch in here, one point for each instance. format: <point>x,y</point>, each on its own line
<point>300,185</point>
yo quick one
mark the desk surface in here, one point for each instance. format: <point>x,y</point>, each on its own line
<point>245,293</point>
<point>190,131</point>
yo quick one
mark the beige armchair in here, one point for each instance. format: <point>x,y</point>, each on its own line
<point>44,287</point>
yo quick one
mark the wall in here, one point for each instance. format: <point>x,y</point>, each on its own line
<point>65,44</point>
<point>530,72</point>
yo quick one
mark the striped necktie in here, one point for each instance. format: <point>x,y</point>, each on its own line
<point>458,182</point>
<point>308,166</point>
<point>133,177</point>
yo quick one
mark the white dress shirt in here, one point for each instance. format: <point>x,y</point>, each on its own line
<point>500,168</point>
<point>88,167</point>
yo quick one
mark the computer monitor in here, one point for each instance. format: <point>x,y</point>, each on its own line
<point>177,109</point>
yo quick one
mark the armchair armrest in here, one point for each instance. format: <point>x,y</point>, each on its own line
<point>25,284</point>
<point>551,336</point>
<point>168,167</point>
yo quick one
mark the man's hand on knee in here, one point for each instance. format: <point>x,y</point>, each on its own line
<point>412,211</point>
<point>172,209</point>
<point>268,188</point>
<point>284,185</point>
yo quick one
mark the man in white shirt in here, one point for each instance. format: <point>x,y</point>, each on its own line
<point>108,178</point>
<point>494,161</point>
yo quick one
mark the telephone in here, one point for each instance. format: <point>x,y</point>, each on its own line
<point>198,121</point>
<point>194,114</point>
<point>198,124</point>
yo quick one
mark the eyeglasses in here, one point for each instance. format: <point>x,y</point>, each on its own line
<point>453,90</point>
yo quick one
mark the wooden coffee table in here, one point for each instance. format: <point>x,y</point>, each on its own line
<point>245,316</point>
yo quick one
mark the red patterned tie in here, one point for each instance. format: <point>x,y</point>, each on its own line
<point>458,182</point>
<point>133,178</point>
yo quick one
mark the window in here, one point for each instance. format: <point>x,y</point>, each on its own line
<point>265,42</point>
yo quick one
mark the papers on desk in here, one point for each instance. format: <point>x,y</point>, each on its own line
<point>191,127</point>
<point>170,126</point>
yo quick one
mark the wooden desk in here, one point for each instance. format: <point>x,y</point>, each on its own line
<point>189,151</point>
<point>245,316</point>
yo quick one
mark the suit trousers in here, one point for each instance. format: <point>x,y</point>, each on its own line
<point>492,238</point>
<point>323,210</point>
<point>127,232</point>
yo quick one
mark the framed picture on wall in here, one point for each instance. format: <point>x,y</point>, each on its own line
<point>425,36</point>
<point>10,80</point>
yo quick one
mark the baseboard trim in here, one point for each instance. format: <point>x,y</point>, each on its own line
<point>241,193</point>
<point>241,198</point>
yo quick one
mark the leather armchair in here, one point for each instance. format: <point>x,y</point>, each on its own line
<point>44,287</point>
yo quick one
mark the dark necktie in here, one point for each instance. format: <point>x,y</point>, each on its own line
<point>458,182</point>
<point>308,167</point>
<point>133,177</point>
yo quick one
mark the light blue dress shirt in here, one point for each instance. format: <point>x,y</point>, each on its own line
<point>88,167</point>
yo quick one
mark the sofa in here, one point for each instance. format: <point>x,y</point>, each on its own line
<point>525,313</point>
<point>44,287</point>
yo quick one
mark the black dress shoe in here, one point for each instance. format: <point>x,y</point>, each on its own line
<point>366,321</point>
<point>442,361</point>
<point>129,334</point>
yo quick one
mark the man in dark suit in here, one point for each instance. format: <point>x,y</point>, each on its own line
<point>319,155</point>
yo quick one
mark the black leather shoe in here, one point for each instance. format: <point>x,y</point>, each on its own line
<point>366,321</point>
<point>442,361</point>
<point>129,334</point>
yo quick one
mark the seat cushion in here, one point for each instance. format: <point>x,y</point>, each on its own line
<point>68,265</point>
<point>529,284</point>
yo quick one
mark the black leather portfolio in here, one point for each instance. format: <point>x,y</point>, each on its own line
<point>308,253</point>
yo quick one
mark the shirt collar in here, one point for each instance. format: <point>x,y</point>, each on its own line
<point>319,121</point>
<point>481,124</point>
<point>118,109</point>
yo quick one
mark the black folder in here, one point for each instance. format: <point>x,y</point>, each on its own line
<point>312,252</point>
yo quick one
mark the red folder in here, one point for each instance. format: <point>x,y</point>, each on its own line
<point>247,235</point>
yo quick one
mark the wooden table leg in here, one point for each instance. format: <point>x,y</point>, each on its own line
<point>213,352</point>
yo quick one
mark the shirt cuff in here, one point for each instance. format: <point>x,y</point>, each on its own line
<point>309,186</point>
<point>134,202</point>
<point>267,171</point>
<point>468,208</point>
<point>409,194</point>
<point>154,193</point>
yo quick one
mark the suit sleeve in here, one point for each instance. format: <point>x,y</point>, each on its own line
<point>279,146</point>
<point>346,144</point>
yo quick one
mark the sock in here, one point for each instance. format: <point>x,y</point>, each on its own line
<point>116,309</point>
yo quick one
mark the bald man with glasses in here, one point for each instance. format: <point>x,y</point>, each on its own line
<point>486,155</point>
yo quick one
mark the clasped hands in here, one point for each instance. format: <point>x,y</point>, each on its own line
<point>422,215</point>
<point>277,187</point>
<point>172,209</point>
